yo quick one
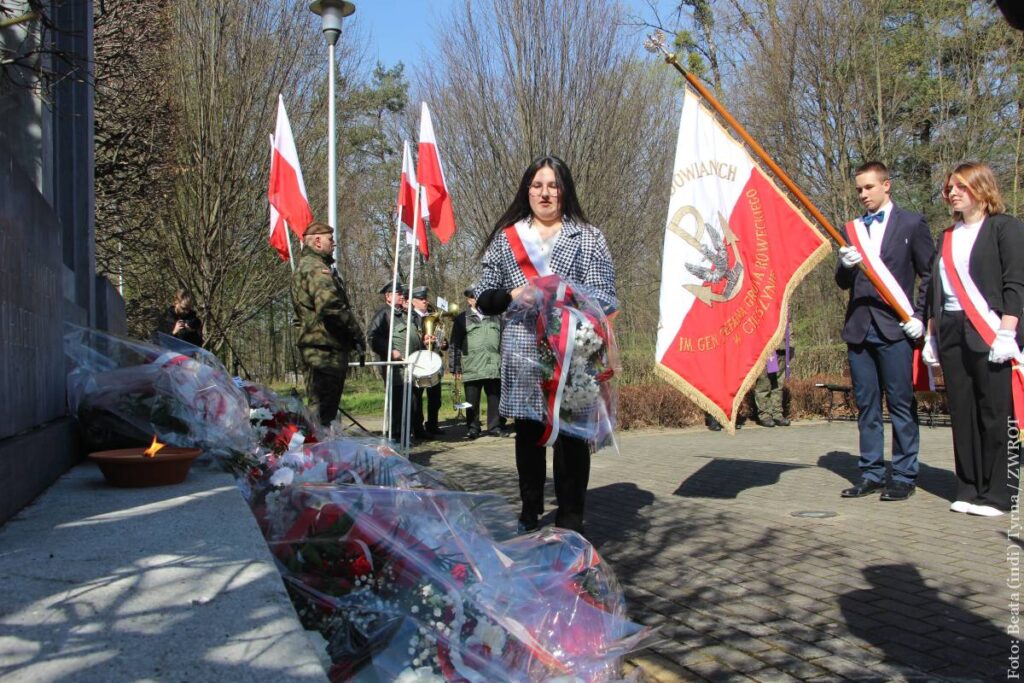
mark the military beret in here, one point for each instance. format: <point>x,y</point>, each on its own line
<point>318,228</point>
<point>469,292</point>
<point>389,287</point>
<point>419,293</point>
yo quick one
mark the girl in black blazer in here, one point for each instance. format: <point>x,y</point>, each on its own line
<point>989,245</point>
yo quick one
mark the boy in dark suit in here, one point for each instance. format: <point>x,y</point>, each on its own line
<point>900,248</point>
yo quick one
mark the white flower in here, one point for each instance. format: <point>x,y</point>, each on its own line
<point>282,477</point>
<point>260,414</point>
<point>423,674</point>
<point>489,635</point>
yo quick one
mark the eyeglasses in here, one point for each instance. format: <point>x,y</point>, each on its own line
<point>539,189</point>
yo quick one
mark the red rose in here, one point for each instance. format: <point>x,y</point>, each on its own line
<point>459,573</point>
<point>361,566</point>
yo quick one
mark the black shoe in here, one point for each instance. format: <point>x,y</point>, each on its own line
<point>527,527</point>
<point>420,434</point>
<point>494,432</point>
<point>898,490</point>
<point>432,428</point>
<point>865,488</point>
<point>782,422</point>
<point>473,434</point>
<point>714,426</point>
<point>766,422</point>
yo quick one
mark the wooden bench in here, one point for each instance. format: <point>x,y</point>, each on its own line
<point>933,415</point>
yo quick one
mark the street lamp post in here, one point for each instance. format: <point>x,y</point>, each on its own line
<point>331,12</point>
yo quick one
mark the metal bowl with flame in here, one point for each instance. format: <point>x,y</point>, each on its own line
<point>158,465</point>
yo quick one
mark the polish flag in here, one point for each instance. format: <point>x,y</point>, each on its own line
<point>407,189</point>
<point>287,190</point>
<point>431,177</point>
<point>735,249</point>
<point>278,234</point>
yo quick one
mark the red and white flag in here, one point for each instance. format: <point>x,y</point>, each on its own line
<point>278,233</point>
<point>287,191</point>
<point>407,208</point>
<point>735,248</point>
<point>431,176</point>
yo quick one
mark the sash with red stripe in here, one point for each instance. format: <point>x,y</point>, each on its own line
<point>923,380</point>
<point>983,318</point>
<point>526,249</point>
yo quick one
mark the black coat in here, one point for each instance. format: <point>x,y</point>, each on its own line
<point>997,268</point>
<point>193,334</point>
<point>908,252</point>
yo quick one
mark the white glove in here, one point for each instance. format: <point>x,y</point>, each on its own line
<point>913,328</point>
<point>849,257</point>
<point>929,354</point>
<point>1004,348</point>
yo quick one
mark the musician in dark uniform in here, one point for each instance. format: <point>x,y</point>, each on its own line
<point>394,348</point>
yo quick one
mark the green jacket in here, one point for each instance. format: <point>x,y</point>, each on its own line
<point>328,327</point>
<point>476,347</point>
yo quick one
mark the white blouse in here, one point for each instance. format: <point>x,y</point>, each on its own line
<point>964,236</point>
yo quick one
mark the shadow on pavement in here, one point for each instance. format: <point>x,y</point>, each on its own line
<point>970,645</point>
<point>728,477</point>
<point>938,482</point>
<point>628,501</point>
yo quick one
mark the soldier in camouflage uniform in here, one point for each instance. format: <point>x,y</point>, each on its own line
<point>329,330</point>
<point>394,348</point>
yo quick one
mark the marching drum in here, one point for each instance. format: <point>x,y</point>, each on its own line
<point>426,367</point>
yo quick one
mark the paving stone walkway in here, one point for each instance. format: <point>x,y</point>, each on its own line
<point>742,552</point>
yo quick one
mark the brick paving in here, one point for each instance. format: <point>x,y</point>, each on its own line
<point>700,529</point>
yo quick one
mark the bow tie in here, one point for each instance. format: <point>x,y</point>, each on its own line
<point>872,217</point>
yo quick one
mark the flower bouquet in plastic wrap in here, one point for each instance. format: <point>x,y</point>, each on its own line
<point>277,419</point>
<point>338,460</point>
<point>565,374</point>
<point>410,585</point>
<point>124,391</point>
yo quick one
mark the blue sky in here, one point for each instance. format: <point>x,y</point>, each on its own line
<point>397,30</point>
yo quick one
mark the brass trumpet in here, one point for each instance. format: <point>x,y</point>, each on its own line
<point>437,318</point>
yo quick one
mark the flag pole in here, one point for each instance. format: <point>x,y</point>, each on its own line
<point>389,381</point>
<point>407,375</point>
<point>288,236</point>
<point>656,42</point>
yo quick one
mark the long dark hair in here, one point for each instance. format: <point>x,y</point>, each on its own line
<point>520,206</point>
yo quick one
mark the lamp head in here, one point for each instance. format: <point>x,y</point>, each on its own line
<point>331,12</point>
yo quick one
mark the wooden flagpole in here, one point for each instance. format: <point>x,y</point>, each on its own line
<point>656,42</point>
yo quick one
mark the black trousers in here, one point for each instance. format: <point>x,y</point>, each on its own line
<point>433,404</point>
<point>323,393</point>
<point>980,408</point>
<point>417,411</point>
<point>492,388</point>
<point>571,469</point>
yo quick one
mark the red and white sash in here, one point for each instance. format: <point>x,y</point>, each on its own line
<point>923,379</point>
<point>858,235</point>
<point>526,248</point>
<point>984,319</point>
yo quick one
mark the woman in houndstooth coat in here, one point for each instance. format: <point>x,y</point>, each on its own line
<point>543,231</point>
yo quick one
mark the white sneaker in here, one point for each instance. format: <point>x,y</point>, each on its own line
<point>985,511</point>
<point>960,506</point>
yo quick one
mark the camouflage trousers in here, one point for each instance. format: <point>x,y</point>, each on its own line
<point>323,392</point>
<point>768,395</point>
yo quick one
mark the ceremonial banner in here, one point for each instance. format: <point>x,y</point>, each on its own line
<point>735,248</point>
